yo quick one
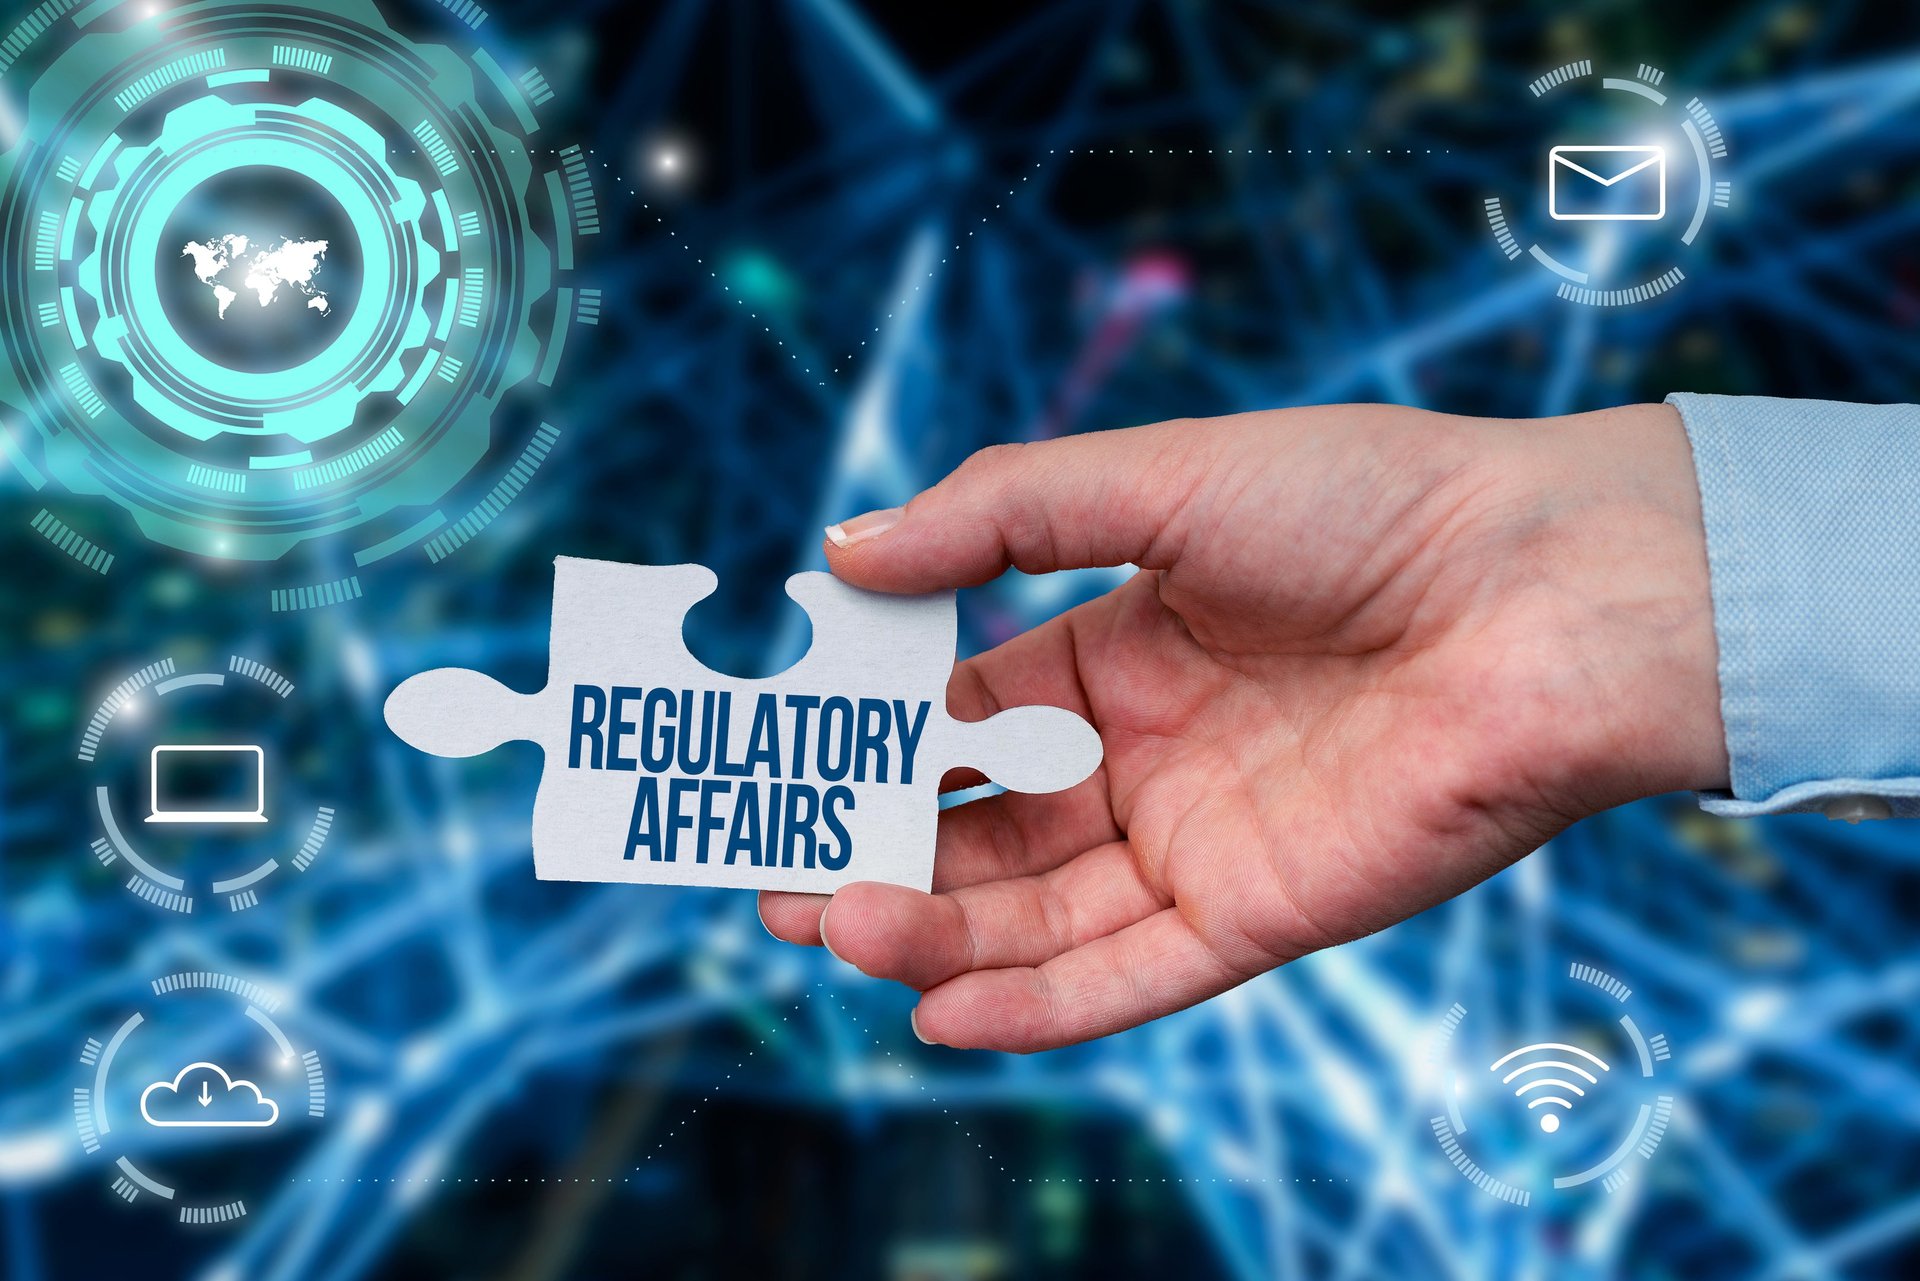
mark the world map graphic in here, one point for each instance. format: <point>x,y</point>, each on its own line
<point>231,264</point>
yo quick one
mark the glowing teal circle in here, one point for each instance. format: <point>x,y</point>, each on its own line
<point>396,451</point>
<point>145,312</point>
<point>175,382</point>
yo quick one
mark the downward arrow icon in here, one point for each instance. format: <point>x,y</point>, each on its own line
<point>206,1095</point>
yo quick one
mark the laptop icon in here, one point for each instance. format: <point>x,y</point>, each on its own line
<point>208,783</point>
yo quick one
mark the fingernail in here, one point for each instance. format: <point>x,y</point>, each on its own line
<point>860,528</point>
<point>824,941</point>
<point>913,1020</point>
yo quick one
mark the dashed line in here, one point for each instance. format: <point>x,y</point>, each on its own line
<point>947,1112</point>
<point>785,1020</point>
<point>908,1072</point>
<point>959,244</point>
<point>987,217</point>
<point>714,275</point>
<point>398,1180</point>
<point>813,374</point>
<point>715,1089</point>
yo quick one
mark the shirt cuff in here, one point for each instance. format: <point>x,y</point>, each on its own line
<point>1812,513</point>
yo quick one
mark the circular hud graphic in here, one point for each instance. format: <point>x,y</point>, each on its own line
<point>1578,1108</point>
<point>1630,171</point>
<point>197,801</point>
<point>271,274</point>
<point>200,1098</point>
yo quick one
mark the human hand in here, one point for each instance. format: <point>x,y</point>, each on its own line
<point>1372,656</point>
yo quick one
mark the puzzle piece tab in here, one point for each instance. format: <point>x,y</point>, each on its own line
<point>662,772</point>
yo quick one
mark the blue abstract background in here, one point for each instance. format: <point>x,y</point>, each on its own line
<point>892,234</point>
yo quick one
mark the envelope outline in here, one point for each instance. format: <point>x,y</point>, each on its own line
<point>1559,156</point>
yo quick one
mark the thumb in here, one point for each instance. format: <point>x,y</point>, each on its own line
<point>1105,498</point>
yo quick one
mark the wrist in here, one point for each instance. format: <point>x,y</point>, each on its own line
<point>1629,548</point>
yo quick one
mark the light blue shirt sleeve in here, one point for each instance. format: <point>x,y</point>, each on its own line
<point>1813,542</point>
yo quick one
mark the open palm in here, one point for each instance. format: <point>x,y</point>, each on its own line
<point>1372,655</point>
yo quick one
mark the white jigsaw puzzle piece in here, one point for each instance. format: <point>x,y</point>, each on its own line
<point>825,774</point>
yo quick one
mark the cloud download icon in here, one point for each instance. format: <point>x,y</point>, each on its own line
<point>202,1096</point>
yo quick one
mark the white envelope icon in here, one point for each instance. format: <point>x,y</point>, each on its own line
<point>1607,184</point>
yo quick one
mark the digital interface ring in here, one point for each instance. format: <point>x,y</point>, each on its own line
<point>274,275</point>
<point>1552,1117</point>
<point>227,850</point>
<point>1618,182</point>
<point>208,1062</point>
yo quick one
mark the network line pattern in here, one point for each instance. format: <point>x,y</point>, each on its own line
<point>1772,954</point>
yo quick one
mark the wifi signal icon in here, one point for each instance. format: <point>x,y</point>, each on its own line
<point>1549,1121</point>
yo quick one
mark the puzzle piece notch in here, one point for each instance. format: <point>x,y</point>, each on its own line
<point>595,630</point>
<point>908,638</point>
